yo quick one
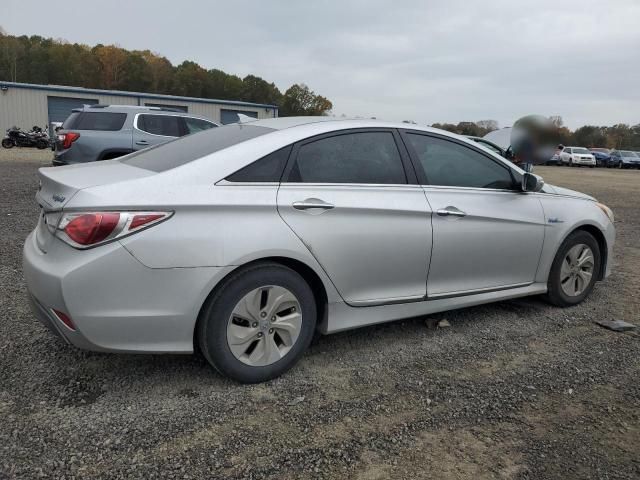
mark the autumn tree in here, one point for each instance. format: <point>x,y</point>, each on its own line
<point>112,61</point>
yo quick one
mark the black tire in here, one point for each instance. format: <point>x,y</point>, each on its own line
<point>555,295</point>
<point>212,323</point>
<point>42,144</point>
<point>7,143</point>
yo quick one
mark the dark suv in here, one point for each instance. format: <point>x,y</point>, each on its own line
<point>102,132</point>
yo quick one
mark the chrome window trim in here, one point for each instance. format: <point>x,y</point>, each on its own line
<point>135,122</point>
<point>479,189</point>
<point>225,182</point>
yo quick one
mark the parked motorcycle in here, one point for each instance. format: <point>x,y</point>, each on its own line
<point>37,138</point>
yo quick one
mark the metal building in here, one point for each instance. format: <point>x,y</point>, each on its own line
<point>26,105</point>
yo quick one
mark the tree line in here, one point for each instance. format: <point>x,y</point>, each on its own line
<point>39,60</point>
<point>620,136</point>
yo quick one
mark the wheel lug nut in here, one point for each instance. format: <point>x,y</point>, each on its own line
<point>259,334</point>
<point>273,319</point>
<point>263,314</point>
<point>293,309</point>
<point>271,330</point>
<point>255,324</point>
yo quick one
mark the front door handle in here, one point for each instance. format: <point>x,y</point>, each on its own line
<point>312,203</point>
<point>451,211</point>
<point>142,142</point>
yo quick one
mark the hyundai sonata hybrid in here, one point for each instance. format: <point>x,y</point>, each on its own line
<point>242,241</point>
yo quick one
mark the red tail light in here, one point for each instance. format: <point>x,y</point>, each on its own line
<point>68,138</point>
<point>140,220</point>
<point>92,227</point>
<point>64,318</point>
<point>84,230</point>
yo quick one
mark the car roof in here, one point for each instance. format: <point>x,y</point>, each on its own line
<point>338,123</point>
<point>98,107</point>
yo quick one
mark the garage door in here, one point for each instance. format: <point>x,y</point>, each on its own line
<point>231,116</point>
<point>60,107</point>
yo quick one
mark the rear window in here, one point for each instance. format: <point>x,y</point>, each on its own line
<point>104,121</point>
<point>191,147</point>
<point>70,120</point>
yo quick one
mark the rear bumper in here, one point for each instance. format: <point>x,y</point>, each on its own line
<point>116,303</point>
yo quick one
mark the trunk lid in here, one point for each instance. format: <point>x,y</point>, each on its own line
<point>59,184</point>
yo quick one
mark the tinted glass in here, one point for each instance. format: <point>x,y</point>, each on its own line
<point>105,121</point>
<point>267,169</point>
<point>71,119</point>
<point>166,125</point>
<point>196,125</point>
<point>450,164</point>
<point>187,149</point>
<point>367,157</point>
<point>489,146</point>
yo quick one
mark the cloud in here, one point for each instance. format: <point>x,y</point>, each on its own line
<point>426,61</point>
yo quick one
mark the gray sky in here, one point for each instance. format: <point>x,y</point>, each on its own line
<point>428,61</point>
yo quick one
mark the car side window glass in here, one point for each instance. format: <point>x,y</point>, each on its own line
<point>197,125</point>
<point>102,121</point>
<point>447,163</point>
<point>267,169</point>
<point>165,125</point>
<point>360,157</point>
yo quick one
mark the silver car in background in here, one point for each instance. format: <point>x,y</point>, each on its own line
<point>243,240</point>
<point>104,132</point>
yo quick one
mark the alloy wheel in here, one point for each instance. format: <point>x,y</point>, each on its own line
<point>264,325</point>
<point>577,270</point>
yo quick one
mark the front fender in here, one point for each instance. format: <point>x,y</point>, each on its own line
<point>564,215</point>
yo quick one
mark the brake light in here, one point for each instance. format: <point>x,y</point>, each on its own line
<point>140,220</point>
<point>68,138</point>
<point>89,229</point>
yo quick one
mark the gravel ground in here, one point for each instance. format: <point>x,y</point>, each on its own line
<point>516,389</point>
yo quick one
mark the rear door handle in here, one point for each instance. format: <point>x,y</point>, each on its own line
<point>142,142</point>
<point>451,211</point>
<point>310,203</point>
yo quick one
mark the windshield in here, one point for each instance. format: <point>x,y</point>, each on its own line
<point>187,149</point>
<point>581,150</point>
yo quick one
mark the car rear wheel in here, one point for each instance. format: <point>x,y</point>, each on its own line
<point>574,271</point>
<point>258,324</point>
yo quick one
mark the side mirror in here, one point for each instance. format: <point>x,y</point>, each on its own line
<point>531,182</point>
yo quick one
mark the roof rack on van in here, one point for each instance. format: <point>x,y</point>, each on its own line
<point>162,109</point>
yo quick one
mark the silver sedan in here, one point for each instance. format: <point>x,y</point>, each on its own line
<point>243,240</point>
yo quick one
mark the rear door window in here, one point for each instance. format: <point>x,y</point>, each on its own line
<point>267,169</point>
<point>359,157</point>
<point>104,121</point>
<point>165,125</point>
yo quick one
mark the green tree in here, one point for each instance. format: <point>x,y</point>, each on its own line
<point>300,100</point>
<point>255,89</point>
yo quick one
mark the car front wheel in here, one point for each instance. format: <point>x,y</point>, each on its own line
<point>574,271</point>
<point>258,323</point>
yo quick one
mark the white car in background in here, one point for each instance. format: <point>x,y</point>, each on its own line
<point>577,156</point>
